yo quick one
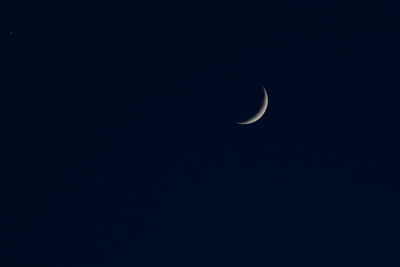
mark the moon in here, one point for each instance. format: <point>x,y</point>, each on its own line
<point>260,112</point>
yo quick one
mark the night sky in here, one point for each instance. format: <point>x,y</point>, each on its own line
<point>122,147</point>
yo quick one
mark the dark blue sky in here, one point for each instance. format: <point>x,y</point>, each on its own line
<point>124,149</point>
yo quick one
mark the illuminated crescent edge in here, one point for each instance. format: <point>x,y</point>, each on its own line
<point>260,113</point>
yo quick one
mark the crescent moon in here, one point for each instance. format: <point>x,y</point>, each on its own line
<point>260,112</point>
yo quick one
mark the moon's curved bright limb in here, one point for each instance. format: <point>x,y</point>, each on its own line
<point>260,112</point>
